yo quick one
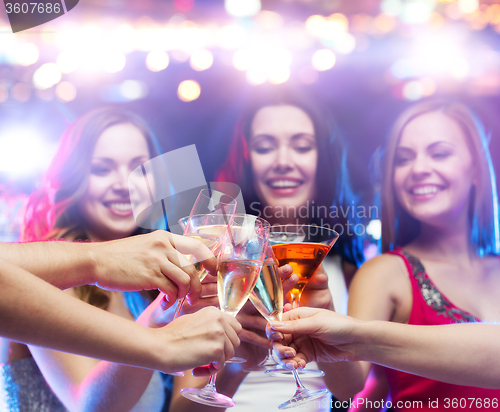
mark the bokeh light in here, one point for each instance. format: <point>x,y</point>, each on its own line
<point>27,54</point>
<point>256,76</point>
<point>21,92</point>
<point>468,6</point>
<point>323,59</point>
<point>279,75</point>
<point>67,61</point>
<point>201,60</point>
<point>188,90</point>
<point>4,93</point>
<point>66,91</point>
<point>413,90</point>
<point>133,90</point>
<point>242,8</point>
<point>157,60</point>
<point>114,61</point>
<point>23,151</point>
<point>46,76</point>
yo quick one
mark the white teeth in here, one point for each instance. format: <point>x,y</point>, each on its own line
<point>425,190</point>
<point>283,184</point>
<point>121,206</point>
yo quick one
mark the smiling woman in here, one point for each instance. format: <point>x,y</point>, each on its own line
<point>284,156</point>
<point>440,234</point>
<point>86,183</point>
<point>84,196</point>
<point>106,208</point>
<point>287,156</point>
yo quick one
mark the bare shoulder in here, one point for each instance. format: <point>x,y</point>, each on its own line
<point>382,267</point>
<point>380,289</point>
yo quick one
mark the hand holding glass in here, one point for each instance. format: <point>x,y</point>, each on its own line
<point>240,261</point>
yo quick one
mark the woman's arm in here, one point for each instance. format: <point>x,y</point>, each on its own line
<point>37,313</point>
<point>376,291</point>
<point>85,384</point>
<point>463,354</point>
<point>140,262</point>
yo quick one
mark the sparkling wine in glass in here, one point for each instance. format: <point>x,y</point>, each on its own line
<point>267,297</point>
<point>210,216</point>
<point>240,261</point>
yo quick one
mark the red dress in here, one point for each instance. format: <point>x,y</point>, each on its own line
<point>414,393</point>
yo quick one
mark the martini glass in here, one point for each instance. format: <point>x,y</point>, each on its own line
<point>303,247</point>
<point>240,261</point>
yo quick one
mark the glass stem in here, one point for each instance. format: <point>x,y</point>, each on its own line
<point>178,309</point>
<point>211,383</point>
<point>295,301</point>
<point>297,380</point>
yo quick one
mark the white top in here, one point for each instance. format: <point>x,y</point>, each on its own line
<point>259,392</point>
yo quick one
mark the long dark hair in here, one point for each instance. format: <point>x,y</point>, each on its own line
<point>332,179</point>
<point>52,210</point>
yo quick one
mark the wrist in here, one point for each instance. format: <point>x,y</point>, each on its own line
<point>91,264</point>
<point>365,338</point>
<point>359,340</point>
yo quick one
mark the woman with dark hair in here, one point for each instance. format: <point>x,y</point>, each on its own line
<point>440,266</point>
<point>287,157</point>
<point>85,196</point>
<point>329,201</point>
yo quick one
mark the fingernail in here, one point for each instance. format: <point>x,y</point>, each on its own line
<point>276,336</point>
<point>289,353</point>
<point>277,324</point>
<point>289,365</point>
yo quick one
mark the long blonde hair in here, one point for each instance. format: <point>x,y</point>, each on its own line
<point>398,228</point>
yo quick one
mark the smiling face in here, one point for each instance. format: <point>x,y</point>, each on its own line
<point>105,207</point>
<point>283,156</point>
<point>433,170</point>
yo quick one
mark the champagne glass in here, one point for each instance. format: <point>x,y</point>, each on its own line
<point>210,216</point>
<point>267,297</point>
<point>303,247</point>
<point>240,261</point>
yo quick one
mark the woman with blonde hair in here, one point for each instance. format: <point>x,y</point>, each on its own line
<point>440,236</point>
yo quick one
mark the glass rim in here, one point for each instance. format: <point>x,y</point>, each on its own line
<point>257,218</point>
<point>300,226</point>
<point>205,193</point>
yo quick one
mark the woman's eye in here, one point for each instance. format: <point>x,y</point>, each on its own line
<point>401,160</point>
<point>440,155</point>
<point>303,149</point>
<point>262,150</point>
<point>100,170</point>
